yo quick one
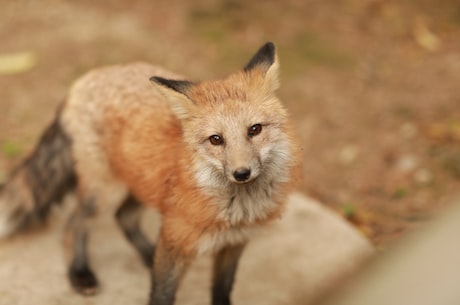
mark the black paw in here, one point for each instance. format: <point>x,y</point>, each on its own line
<point>220,297</point>
<point>221,302</point>
<point>83,281</point>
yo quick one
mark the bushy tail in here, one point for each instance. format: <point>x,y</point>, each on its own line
<point>41,180</point>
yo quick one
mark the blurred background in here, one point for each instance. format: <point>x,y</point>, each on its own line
<point>373,86</point>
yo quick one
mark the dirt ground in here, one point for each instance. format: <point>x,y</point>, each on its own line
<point>373,86</point>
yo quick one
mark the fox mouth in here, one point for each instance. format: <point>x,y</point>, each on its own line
<point>246,182</point>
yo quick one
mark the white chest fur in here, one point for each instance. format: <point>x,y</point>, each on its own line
<point>213,242</point>
<point>240,210</point>
<point>247,204</point>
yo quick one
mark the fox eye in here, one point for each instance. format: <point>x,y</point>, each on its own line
<point>254,130</point>
<point>216,140</point>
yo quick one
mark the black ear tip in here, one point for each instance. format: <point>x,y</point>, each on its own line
<point>180,86</point>
<point>269,49</point>
<point>264,57</point>
<point>269,46</point>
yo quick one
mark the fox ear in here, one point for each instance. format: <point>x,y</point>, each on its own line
<point>264,57</point>
<point>175,91</point>
<point>266,61</point>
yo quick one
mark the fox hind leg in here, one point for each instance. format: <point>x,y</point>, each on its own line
<point>80,274</point>
<point>128,217</point>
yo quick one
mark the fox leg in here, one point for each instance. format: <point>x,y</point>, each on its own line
<point>168,270</point>
<point>81,277</point>
<point>225,265</point>
<point>128,217</point>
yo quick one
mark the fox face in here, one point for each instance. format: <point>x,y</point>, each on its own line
<point>235,136</point>
<point>234,126</point>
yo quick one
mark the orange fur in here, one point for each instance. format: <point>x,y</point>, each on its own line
<point>216,158</point>
<point>155,142</point>
<point>147,151</point>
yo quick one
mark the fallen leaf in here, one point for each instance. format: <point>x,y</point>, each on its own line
<point>15,63</point>
<point>444,131</point>
<point>424,37</point>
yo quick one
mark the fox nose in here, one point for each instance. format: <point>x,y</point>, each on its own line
<point>242,174</point>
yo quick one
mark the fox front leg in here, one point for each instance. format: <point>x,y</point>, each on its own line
<point>168,270</point>
<point>225,265</point>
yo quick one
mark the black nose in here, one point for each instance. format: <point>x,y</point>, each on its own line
<point>242,174</point>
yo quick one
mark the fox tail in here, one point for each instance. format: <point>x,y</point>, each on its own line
<point>39,181</point>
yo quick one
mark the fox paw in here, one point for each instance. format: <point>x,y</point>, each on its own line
<point>83,281</point>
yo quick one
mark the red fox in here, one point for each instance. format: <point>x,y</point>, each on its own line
<point>216,158</point>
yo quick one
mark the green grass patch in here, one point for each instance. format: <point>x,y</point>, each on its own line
<point>400,193</point>
<point>11,149</point>
<point>349,210</point>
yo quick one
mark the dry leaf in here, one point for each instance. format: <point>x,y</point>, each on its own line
<point>15,63</point>
<point>424,37</point>
<point>444,132</point>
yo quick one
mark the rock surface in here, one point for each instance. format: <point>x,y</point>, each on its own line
<point>292,262</point>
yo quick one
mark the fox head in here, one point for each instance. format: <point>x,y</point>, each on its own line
<point>235,126</point>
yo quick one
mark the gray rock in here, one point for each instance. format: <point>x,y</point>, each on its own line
<point>292,262</point>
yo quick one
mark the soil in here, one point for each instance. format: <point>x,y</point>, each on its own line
<point>372,86</point>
